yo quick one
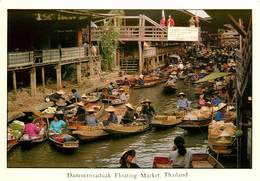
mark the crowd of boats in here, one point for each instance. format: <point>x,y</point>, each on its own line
<point>77,118</point>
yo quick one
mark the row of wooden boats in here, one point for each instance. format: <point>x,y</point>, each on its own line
<point>198,160</point>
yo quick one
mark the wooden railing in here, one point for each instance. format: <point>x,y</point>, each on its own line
<point>134,33</point>
<point>63,55</point>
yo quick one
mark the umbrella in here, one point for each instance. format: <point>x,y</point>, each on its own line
<point>213,76</point>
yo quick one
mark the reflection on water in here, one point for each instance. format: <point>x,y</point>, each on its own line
<point>106,153</point>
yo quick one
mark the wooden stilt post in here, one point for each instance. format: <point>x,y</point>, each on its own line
<point>58,76</point>
<point>43,78</point>
<point>79,73</point>
<point>14,82</point>
<point>33,81</point>
<point>140,57</point>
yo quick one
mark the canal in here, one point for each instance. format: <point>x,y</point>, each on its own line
<point>106,153</point>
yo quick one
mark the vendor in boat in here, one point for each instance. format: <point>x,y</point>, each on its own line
<point>215,100</point>
<point>202,101</point>
<point>180,156</point>
<point>84,99</point>
<point>91,119</point>
<point>75,97</point>
<point>182,102</point>
<point>110,88</point>
<point>31,131</point>
<point>141,80</point>
<point>171,80</point>
<point>81,112</point>
<point>112,116</point>
<point>123,96</point>
<point>57,125</point>
<point>129,114</point>
<point>126,81</point>
<point>147,110</point>
<point>128,160</point>
<point>220,111</point>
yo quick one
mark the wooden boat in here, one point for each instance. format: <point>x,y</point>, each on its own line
<point>221,148</point>
<point>199,160</point>
<point>11,144</point>
<point>162,121</point>
<point>204,160</point>
<point>146,85</point>
<point>93,97</point>
<point>169,88</point>
<point>126,130</point>
<point>193,124</point>
<point>117,102</point>
<point>90,133</point>
<point>58,141</point>
<point>43,124</point>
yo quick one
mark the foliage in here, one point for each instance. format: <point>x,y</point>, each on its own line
<point>109,41</point>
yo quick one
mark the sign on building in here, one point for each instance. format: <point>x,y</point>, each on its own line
<point>183,33</point>
<point>149,52</point>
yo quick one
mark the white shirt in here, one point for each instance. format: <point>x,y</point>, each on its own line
<point>179,160</point>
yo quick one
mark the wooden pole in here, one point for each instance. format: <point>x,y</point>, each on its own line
<point>79,73</point>
<point>43,78</point>
<point>33,81</point>
<point>58,76</point>
<point>14,82</point>
<point>140,57</point>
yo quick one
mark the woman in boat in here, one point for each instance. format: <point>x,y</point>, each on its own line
<point>182,102</point>
<point>128,160</point>
<point>57,125</point>
<point>215,100</point>
<point>180,156</point>
<point>110,88</point>
<point>112,116</point>
<point>123,95</point>
<point>91,119</point>
<point>31,131</point>
<point>148,111</point>
<point>141,80</point>
<point>202,101</point>
<point>81,112</point>
<point>126,81</point>
<point>129,114</point>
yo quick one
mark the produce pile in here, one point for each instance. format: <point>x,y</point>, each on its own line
<point>49,110</point>
<point>221,132</point>
<point>201,114</point>
<point>15,130</point>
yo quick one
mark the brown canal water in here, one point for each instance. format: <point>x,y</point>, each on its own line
<point>106,153</point>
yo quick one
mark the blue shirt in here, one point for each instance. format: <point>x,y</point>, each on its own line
<point>216,101</point>
<point>112,119</point>
<point>77,95</point>
<point>57,126</point>
<point>182,103</point>
<point>91,120</point>
<point>218,116</point>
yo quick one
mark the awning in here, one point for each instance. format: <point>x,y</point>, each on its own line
<point>213,76</point>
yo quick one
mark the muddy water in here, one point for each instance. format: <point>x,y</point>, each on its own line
<point>106,153</point>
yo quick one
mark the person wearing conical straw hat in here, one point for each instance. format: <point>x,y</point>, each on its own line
<point>147,110</point>
<point>127,159</point>
<point>112,116</point>
<point>81,112</point>
<point>129,114</point>
<point>91,119</point>
<point>182,102</point>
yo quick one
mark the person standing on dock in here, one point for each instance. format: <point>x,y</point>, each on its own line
<point>148,111</point>
<point>180,156</point>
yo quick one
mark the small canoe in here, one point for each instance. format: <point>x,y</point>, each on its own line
<point>221,148</point>
<point>90,133</point>
<point>117,102</point>
<point>146,85</point>
<point>43,124</point>
<point>162,121</point>
<point>125,130</point>
<point>93,97</point>
<point>204,160</point>
<point>199,160</point>
<point>169,88</point>
<point>67,144</point>
<point>194,124</point>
